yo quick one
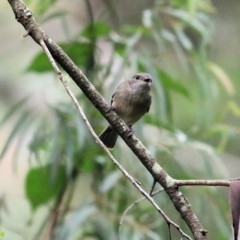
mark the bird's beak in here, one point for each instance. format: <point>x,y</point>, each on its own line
<point>148,80</point>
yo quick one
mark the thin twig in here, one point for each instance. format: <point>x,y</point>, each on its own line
<point>225,183</point>
<point>169,231</point>
<point>131,206</point>
<point>152,188</point>
<point>133,181</point>
<point>168,221</point>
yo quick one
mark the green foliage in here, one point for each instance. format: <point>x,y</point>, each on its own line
<point>172,84</point>
<point>23,121</point>
<point>41,186</point>
<point>40,6</point>
<point>96,30</point>
<point>1,235</point>
<point>78,51</point>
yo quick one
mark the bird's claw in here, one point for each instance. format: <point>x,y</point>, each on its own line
<point>131,132</point>
<point>111,109</point>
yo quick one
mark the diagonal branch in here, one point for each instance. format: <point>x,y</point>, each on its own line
<point>125,173</point>
<point>24,16</point>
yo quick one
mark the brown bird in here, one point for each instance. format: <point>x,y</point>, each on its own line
<point>131,100</point>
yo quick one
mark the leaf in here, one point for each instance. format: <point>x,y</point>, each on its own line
<point>235,207</point>
<point>234,108</point>
<point>1,234</point>
<point>40,6</point>
<point>104,228</point>
<point>120,48</point>
<point>16,107</point>
<point>74,221</point>
<point>40,187</point>
<point>169,83</point>
<point>95,30</point>
<point>183,38</point>
<point>54,15</point>
<point>40,64</point>
<point>21,124</point>
<point>77,51</point>
<point>110,181</point>
<point>222,76</point>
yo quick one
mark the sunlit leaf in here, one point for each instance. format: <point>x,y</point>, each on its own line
<point>40,6</point>
<point>183,38</point>
<point>222,76</point>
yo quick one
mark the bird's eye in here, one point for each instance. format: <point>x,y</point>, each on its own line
<point>137,77</point>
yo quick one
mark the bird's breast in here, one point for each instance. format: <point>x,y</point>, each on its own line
<point>132,105</point>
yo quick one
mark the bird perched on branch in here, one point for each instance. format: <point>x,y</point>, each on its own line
<point>131,100</point>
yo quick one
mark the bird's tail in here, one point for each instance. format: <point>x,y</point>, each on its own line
<point>109,137</point>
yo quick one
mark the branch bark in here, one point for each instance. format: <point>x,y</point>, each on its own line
<point>24,16</point>
<point>224,183</point>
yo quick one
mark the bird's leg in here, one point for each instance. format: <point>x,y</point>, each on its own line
<point>111,109</point>
<point>131,132</point>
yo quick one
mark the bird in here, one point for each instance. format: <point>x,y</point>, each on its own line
<point>131,100</point>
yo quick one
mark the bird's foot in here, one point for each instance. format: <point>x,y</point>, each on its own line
<point>111,109</point>
<point>131,132</point>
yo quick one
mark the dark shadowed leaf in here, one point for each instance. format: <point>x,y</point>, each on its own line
<point>235,207</point>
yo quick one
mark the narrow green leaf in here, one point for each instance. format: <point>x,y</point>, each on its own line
<point>74,222</point>
<point>19,125</point>
<point>39,7</point>
<point>14,109</point>
<point>40,187</point>
<point>183,38</point>
<point>110,181</point>
<point>96,30</point>
<point>169,83</point>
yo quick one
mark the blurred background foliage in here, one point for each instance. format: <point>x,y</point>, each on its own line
<point>70,188</point>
